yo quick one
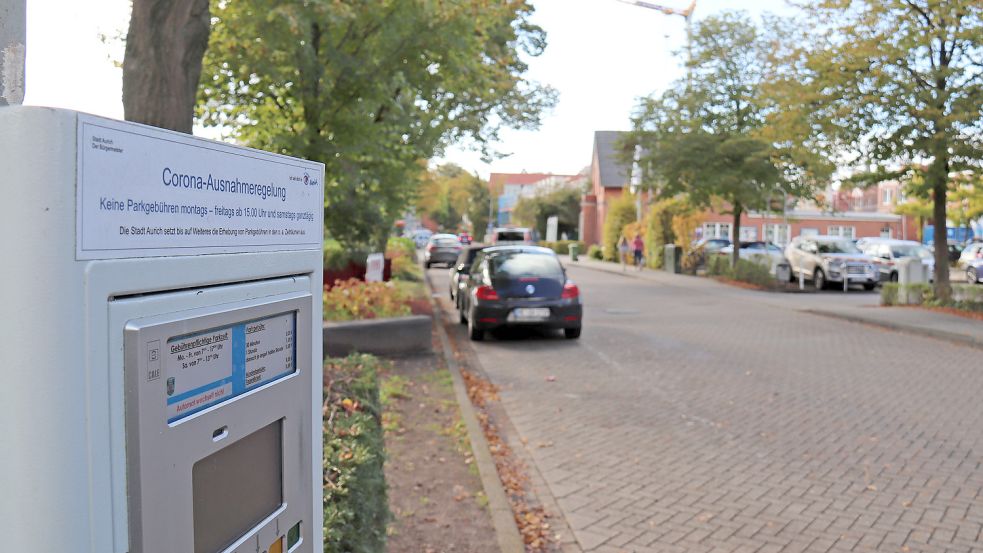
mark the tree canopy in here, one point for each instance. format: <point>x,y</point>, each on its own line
<point>897,84</point>
<point>370,88</point>
<point>705,137</point>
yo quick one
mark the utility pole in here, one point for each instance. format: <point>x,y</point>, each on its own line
<point>13,38</point>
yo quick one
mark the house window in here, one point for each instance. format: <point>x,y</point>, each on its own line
<point>843,231</point>
<point>886,232</point>
<point>776,233</point>
<point>888,193</point>
<point>749,234</point>
<point>716,230</point>
<point>809,231</point>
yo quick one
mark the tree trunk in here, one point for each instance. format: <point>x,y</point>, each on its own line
<point>736,236</point>
<point>162,65</point>
<point>937,178</point>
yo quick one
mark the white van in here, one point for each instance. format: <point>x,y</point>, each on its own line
<point>504,236</point>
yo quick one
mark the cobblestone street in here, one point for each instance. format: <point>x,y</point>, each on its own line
<point>692,417</point>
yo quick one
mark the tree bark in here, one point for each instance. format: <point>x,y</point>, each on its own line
<point>164,48</point>
<point>736,236</point>
<point>938,178</point>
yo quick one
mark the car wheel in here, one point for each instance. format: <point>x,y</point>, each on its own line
<point>426,264</point>
<point>571,333</point>
<point>870,286</point>
<point>971,275</point>
<point>894,277</point>
<point>819,279</point>
<point>476,334</point>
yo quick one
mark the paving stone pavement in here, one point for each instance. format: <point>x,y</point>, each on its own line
<point>696,421</point>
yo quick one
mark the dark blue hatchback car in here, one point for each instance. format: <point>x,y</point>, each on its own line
<point>519,285</point>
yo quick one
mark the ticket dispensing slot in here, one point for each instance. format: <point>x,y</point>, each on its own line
<point>213,396</point>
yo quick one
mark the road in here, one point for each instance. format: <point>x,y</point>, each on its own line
<point>695,416</point>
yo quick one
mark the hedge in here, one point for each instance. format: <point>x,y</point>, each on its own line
<point>355,503</point>
<point>562,247</point>
<point>745,271</point>
<point>965,297</point>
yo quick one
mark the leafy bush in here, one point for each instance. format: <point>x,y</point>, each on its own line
<point>595,252</point>
<point>562,247</point>
<point>621,212</point>
<point>965,297</point>
<point>745,271</point>
<point>355,503</point>
<point>889,293</point>
<point>661,225</point>
<point>355,299</point>
<point>337,257</point>
<point>402,253</point>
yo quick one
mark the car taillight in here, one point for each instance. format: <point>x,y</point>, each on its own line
<point>429,247</point>
<point>486,293</point>
<point>570,291</point>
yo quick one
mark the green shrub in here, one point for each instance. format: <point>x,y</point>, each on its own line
<point>562,247</point>
<point>595,252</point>
<point>918,294</point>
<point>745,271</point>
<point>337,257</point>
<point>889,293</point>
<point>621,212</point>
<point>402,254</point>
<point>355,504</point>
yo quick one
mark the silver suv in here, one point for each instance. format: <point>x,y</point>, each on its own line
<point>825,259</point>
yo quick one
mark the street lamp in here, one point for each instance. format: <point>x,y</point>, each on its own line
<point>686,14</point>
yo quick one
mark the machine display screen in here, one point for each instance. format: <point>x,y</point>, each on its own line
<point>206,368</point>
<point>237,487</point>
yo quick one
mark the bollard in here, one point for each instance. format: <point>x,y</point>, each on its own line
<point>574,251</point>
<point>802,280</point>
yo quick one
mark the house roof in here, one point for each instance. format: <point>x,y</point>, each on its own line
<point>613,173</point>
<point>497,180</point>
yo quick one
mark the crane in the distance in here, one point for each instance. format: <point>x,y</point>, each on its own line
<point>686,14</point>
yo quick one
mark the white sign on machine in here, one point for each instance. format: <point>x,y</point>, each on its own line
<point>145,192</point>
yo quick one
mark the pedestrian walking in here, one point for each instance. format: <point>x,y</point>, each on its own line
<point>639,246</point>
<point>623,248</point>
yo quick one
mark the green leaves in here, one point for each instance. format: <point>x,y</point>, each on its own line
<point>370,88</point>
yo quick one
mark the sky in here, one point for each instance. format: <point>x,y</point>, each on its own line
<point>602,55</point>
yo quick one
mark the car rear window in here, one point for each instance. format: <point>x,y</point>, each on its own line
<point>446,242</point>
<point>511,235</point>
<point>525,264</point>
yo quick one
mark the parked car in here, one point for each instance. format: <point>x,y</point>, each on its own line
<point>464,238</point>
<point>973,251</point>
<point>511,235</point>
<point>441,248</point>
<point>764,253</point>
<point>886,252</point>
<point>974,271</point>
<point>519,285</point>
<point>460,271</point>
<point>825,259</point>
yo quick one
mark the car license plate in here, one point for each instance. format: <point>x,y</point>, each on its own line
<point>530,314</point>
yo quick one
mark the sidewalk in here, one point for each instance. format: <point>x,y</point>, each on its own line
<point>863,309</point>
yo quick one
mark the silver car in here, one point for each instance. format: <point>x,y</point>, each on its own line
<point>974,271</point>
<point>971,252</point>
<point>826,259</point>
<point>886,252</point>
<point>442,248</point>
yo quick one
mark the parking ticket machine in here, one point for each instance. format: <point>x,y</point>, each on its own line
<point>160,354</point>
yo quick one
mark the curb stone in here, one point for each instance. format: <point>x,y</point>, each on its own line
<point>506,531</point>
<point>900,327</point>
